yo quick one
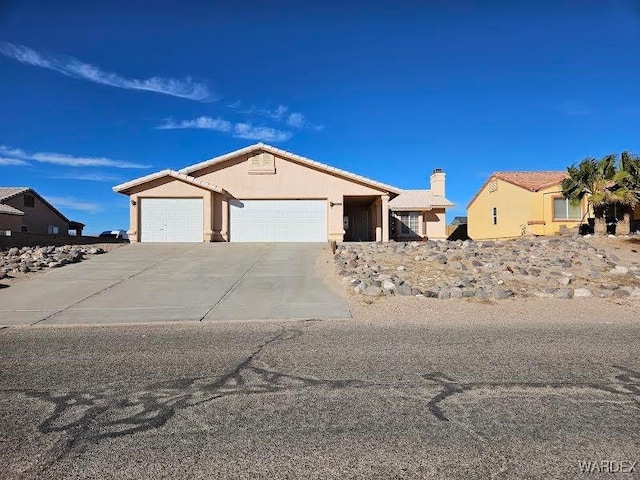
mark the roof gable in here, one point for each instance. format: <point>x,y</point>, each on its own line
<point>532,181</point>
<point>294,158</point>
<point>167,173</point>
<point>7,193</point>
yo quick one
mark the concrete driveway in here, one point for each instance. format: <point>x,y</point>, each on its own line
<point>182,282</point>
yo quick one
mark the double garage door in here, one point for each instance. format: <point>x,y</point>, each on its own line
<point>278,220</point>
<point>181,220</point>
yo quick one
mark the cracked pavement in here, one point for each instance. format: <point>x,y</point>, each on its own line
<point>324,399</point>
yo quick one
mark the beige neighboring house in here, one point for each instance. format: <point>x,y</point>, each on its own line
<point>264,194</point>
<point>22,209</point>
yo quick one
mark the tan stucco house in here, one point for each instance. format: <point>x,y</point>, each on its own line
<point>512,203</point>
<point>22,209</point>
<point>264,194</point>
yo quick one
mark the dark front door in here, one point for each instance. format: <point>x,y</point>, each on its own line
<point>361,226</point>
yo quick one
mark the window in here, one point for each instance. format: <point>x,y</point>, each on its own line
<point>563,209</point>
<point>51,229</point>
<point>495,215</point>
<point>408,223</point>
<point>29,201</point>
<point>24,229</point>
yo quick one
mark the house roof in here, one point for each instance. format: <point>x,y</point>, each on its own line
<point>459,221</point>
<point>167,173</point>
<point>296,158</point>
<point>7,193</point>
<point>418,200</point>
<point>9,210</point>
<point>532,181</point>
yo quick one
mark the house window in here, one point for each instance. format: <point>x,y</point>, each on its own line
<point>495,215</point>
<point>563,209</point>
<point>24,229</point>
<point>29,201</point>
<point>52,229</point>
<point>409,223</point>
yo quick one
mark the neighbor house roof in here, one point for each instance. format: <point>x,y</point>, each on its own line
<point>459,221</point>
<point>533,181</point>
<point>296,158</point>
<point>167,173</point>
<point>418,200</point>
<point>9,210</point>
<point>7,193</point>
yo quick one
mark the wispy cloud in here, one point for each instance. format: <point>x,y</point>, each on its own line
<point>238,130</point>
<point>72,67</point>
<point>74,204</point>
<point>206,123</point>
<point>65,160</point>
<point>281,113</point>
<point>12,161</point>
<point>89,177</point>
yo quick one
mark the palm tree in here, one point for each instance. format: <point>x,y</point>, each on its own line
<point>594,179</point>
<point>628,191</point>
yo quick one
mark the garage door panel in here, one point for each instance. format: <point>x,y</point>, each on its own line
<point>279,221</point>
<point>171,220</point>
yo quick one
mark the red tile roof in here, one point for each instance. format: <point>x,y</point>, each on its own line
<point>532,181</point>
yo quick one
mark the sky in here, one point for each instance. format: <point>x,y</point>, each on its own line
<point>93,94</point>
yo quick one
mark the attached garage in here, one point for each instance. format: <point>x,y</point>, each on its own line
<point>171,219</point>
<point>278,221</point>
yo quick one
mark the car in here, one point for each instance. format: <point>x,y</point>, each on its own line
<point>121,234</point>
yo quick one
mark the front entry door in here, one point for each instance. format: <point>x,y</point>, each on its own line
<point>361,226</point>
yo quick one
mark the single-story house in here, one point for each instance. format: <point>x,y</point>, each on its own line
<point>512,203</point>
<point>22,209</point>
<point>264,194</point>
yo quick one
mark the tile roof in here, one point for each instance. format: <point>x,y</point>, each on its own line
<point>167,173</point>
<point>532,181</point>
<point>9,210</point>
<point>294,157</point>
<point>418,199</point>
<point>8,192</point>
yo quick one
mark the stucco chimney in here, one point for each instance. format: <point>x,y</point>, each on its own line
<point>437,182</point>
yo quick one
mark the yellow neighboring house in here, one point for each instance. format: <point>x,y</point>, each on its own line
<point>512,203</point>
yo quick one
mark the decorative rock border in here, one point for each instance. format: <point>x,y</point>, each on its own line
<point>32,259</point>
<point>560,267</point>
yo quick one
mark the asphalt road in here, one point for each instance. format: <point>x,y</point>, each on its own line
<point>483,398</point>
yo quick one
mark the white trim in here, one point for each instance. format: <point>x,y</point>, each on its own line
<point>291,156</point>
<point>167,173</point>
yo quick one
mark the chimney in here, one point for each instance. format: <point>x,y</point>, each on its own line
<point>437,182</point>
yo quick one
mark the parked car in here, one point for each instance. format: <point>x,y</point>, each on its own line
<point>121,234</point>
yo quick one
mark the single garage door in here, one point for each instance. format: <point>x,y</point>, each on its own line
<point>278,221</point>
<point>171,220</point>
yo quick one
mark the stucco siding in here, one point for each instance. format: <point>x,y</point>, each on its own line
<point>290,181</point>
<point>10,222</point>
<point>514,208</point>
<point>39,217</point>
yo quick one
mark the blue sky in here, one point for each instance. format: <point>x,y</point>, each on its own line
<point>93,95</point>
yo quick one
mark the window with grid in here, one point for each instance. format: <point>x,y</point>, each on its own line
<point>408,223</point>
<point>563,209</point>
<point>495,215</point>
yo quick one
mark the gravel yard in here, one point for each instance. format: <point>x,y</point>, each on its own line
<point>560,267</point>
<point>22,263</point>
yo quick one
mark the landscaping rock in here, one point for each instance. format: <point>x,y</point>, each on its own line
<point>582,292</point>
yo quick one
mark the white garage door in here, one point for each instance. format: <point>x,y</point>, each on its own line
<point>278,221</point>
<point>171,220</point>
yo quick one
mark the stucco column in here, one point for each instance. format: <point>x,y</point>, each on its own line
<point>385,218</point>
<point>377,212</point>
<point>134,202</point>
<point>224,229</point>
<point>421,224</point>
<point>335,207</point>
<point>208,217</point>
